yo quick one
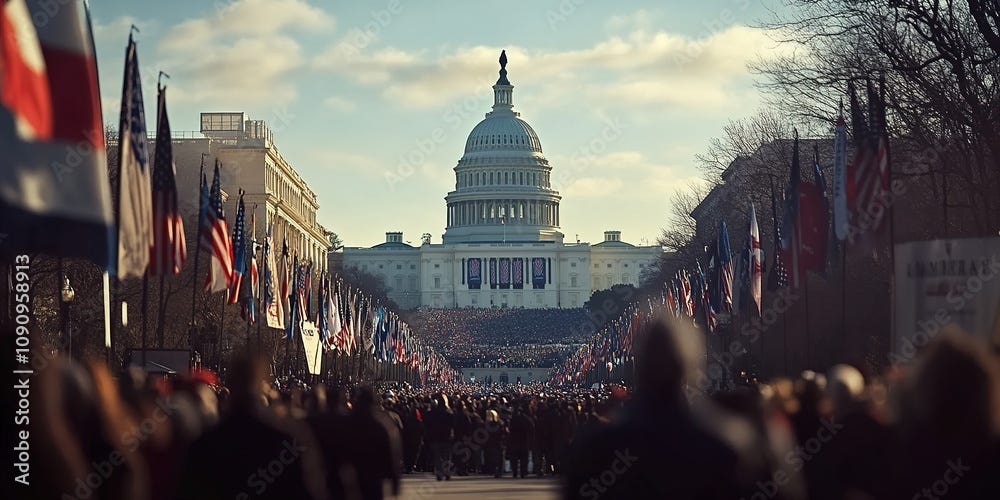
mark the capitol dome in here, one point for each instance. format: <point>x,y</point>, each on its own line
<point>502,182</point>
<point>503,132</point>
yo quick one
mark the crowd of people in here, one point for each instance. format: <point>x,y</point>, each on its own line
<point>514,337</point>
<point>927,430</point>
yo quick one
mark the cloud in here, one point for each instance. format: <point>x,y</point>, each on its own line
<point>638,69</point>
<point>339,104</point>
<point>593,187</point>
<point>241,54</point>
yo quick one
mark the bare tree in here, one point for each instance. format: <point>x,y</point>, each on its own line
<point>942,81</point>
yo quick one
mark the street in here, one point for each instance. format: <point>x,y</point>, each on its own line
<point>424,486</point>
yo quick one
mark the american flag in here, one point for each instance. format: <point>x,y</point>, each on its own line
<point>725,262</point>
<point>756,259</point>
<point>52,114</point>
<point>706,304</point>
<point>687,302</point>
<point>779,276</point>
<point>214,236</point>
<point>169,249</point>
<point>294,312</point>
<point>135,197</point>
<point>868,183</point>
<point>239,252</point>
<point>248,292</point>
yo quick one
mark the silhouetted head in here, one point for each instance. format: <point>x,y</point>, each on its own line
<point>845,386</point>
<point>246,379</point>
<point>365,398</point>
<point>668,355</point>
<point>950,397</point>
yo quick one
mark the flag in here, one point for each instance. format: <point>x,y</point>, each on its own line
<point>135,199</point>
<point>333,319</point>
<point>805,228</point>
<point>741,285</point>
<point>817,229</point>
<point>687,301</point>
<point>840,222</point>
<point>294,311</point>
<point>239,252</point>
<point>710,319</point>
<point>56,197</point>
<point>724,261</point>
<point>869,173</point>
<point>169,249</point>
<point>322,324</point>
<point>274,312</point>
<point>251,278</point>
<point>756,260</point>
<point>284,297</point>
<point>214,236</point>
<point>779,276</point>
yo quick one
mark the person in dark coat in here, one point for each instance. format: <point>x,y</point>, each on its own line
<point>439,425</point>
<point>413,437</point>
<point>374,447</point>
<point>331,426</point>
<point>496,432</point>
<point>656,449</point>
<point>249,454</point>
<point>522,433</point>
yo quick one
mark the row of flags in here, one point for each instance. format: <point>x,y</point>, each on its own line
<point>810,227</point>
<point>57,196</point>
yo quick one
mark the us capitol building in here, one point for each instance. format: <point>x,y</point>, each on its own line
<point>502,246</point>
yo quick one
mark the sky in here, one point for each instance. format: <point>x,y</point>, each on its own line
<point>372,101</point>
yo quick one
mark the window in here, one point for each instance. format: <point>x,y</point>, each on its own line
<point>413,266</point>
<point>572,264</point>
<point>400,266</point>
<point>642,266</point>
<point>380,266</point>
<point>626,265</point>
<point>437,266</point>
<point>399,283</point>
<point>413,282</point>
<point>572,281</point>
<point>609,266</point>
<point>625,278</point>
<point>437,282</point>
<point>596,265</point>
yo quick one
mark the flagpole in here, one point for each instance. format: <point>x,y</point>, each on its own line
<point>161,309</point>
<point>197,254</point>
<point>145,306</point>
<point>222,326</point>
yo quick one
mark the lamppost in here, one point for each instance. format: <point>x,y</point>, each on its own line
<point>68,295</point>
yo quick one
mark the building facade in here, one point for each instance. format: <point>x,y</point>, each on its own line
<point>250,160</point>
<point>502,245</point>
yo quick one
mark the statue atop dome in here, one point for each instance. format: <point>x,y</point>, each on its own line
<point>503,69</point>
